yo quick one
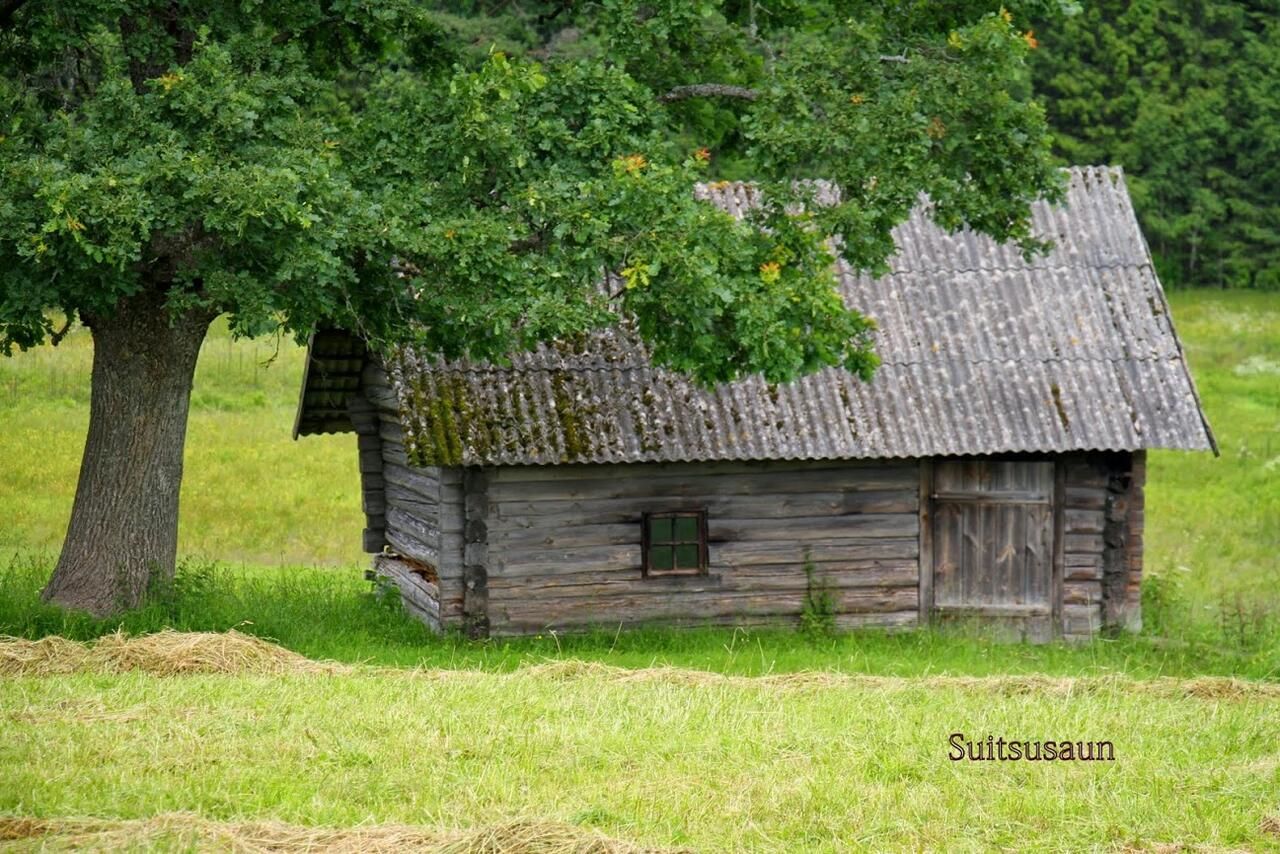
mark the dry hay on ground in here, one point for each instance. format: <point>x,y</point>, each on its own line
<point>166,653</point>
<point>1203,687</point>
<point>183,831</point>
<point>170,653</point>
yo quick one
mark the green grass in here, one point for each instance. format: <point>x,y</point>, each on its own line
<point>666,760</point>
<point>334,615</point>
<point>250,492</point>
<point>1213,525</point>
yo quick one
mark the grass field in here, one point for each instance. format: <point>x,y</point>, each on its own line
<point>547,729</point>
<point>660,758</point>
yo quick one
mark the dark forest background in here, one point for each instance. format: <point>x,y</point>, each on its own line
<point>1185,95</point>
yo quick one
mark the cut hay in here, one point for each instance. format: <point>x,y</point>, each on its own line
<point>1204,687</point>
<point>184,831</point>
<point>166,653</point>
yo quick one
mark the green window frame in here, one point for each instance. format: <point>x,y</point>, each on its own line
<point>674,543</point>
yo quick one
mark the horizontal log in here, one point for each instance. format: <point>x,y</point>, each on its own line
<point>551,511</point>
<point>782,577</point>
<point>416,481</point>
<point>693,484</point>
<point>1081,592</point>
<point>412,503</point>
<point>421,529</point>
<point>1085,497</point>
<point>1082,567</point>
<point>591,609</point>
<point>1083,543</point>
<point>393,453</point>
<point>373,502</point>
<point>1082,521</point>
<point>820,550</point>
<point>391,431</point>
<point>373,539</point>
<point>890,621</point>
<point>867,525</point>
<point>504,560</point>
<point>1081,622</point>
<point>447,556</point>
<point>370,461</point>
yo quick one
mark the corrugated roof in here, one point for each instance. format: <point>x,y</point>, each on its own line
<point>982,352</point>
<point>330,376</point>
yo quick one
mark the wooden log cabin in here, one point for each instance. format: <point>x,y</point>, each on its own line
<point>992,469</point>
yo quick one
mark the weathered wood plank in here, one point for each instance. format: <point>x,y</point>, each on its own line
<point>778,577</point>
<point>421,529</point>
<point>1081,622</point>
<point>889,526</point>
<point>890,621</point>
<point>1083,521</point>
<point>868,525</point>
<point>657,605</point>
<point>553,511</point>
<point>1081,592</point>
<point>407,545</point>
<point>507,561</point>
<point>1085,497</point>
<point>413,480</point>
<point>1083,543</point>
<point>639,485</point>
<point>373,502</point>
<point>372,540</point>
<point>412,503</point>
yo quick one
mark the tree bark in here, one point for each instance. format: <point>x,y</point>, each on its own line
<point>123,535</point>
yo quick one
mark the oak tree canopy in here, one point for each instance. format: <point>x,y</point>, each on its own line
<point>463,175</point>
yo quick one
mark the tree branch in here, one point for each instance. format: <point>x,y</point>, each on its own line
<point>709,90</point>
<point>56,338</point>
<point>727,90</point>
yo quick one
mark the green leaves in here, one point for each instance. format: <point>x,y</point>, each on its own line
<point>388,168</point>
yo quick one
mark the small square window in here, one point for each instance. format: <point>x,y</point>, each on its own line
<point>675,543</point>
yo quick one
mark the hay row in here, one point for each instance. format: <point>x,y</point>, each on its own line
<point>1203,687</point>
<point>166,653</point>
<point>185,831</point>
<point>170,653</point>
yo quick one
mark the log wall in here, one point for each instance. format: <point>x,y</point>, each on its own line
<point>424,506</point>
<point>1102,523</point>
<point>563,544</point>
<point>518,549</point>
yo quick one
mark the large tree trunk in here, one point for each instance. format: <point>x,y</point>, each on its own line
<point>123,534</point>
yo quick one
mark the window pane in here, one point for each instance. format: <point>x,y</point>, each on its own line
<point>687,556</point>
<point>659,529</point>
<point>660,558</point>
<point>686,529</point>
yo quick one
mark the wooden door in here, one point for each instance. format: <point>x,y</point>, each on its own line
<point>993,543</point>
